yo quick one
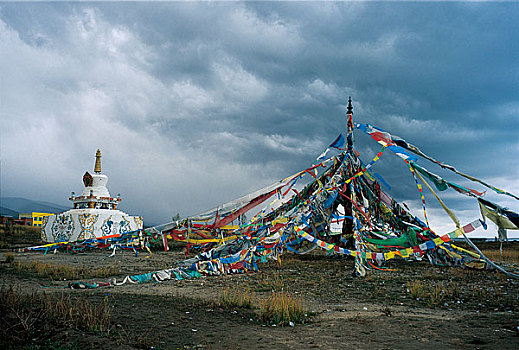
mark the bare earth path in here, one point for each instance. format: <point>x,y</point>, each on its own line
<point>477,309</point>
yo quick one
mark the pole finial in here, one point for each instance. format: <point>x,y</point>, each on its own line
<point>97,167</point>
<point>349,126</point>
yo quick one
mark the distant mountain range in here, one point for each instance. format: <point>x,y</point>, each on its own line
<point>12,206</point>
<point>8,212</point>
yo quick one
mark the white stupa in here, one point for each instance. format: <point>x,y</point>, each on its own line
<point>94,215</point>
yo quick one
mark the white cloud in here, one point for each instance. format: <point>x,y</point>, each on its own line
<point>209,101</point>
<point>238,85</point>
<point>318,91</point>
<point>90,35</point>
<point>95,91</point>
<point>271,35</point>
<point>189,100</point>
<point>291,145</point>
<point>439,130</point>
<point>383,48</point>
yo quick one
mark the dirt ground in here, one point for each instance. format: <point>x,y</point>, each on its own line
<point>474,310</point>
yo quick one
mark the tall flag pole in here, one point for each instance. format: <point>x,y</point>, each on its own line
<point>349,115</point>
<point>348,225</point>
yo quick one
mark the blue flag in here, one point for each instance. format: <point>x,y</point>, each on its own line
<point>339,142</point>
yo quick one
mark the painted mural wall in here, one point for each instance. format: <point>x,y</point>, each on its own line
<point>77,225</point>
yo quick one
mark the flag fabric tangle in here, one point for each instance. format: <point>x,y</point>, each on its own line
<point>290,216</point>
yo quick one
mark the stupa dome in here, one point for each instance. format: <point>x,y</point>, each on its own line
<point>94,215</point>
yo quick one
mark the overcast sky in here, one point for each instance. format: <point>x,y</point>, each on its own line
<point>195,104</point>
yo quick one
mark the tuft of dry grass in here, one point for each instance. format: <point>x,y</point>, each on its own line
<point>491,295</point>
<point>509,255</point>
<point>432,292</point>
<point>281,308</point>
<point>81,313</point>
<point>237,297</point>
<point>274,283</point>
<point>9,258</point>
<point>24,316</point>
<point>61,272</point>
<point>16,235</point>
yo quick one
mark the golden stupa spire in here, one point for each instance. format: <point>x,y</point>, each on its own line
<point>97,168</point>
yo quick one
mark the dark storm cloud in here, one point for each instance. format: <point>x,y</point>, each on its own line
<point>195,104</point>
